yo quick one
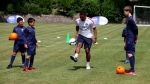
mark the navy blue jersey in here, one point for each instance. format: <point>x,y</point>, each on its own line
<point>21,35</point>
<point>30,35</point>
<point>131,28</point>
<point>131,35</point>
<point>124,33</point>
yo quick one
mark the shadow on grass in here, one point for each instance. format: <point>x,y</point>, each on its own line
<point>78,67</point>
<point>121,60</point>
<point>16,66</point>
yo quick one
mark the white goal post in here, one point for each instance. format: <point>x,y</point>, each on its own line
<point>141,15</point>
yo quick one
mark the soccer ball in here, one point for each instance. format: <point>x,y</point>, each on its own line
<point>72,41</point>
<point>120,70</point>
<point>13,36</point>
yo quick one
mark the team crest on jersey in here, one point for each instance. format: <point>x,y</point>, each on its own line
<point>86,24</point>
<point>22,30</point>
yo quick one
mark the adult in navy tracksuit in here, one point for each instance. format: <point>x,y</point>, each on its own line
<point>20,43</point>
<point>131,38</point>
<point>31,44</point>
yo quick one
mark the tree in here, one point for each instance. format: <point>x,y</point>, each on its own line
<point>92,7</point>
<point>66,7</point>
<point>10,8</point>
<point>110,10</point>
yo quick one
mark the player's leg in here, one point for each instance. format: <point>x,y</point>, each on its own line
<point>26,65</point>
<point>13,56</point>
<point>77,49</point>
<point>32,57</point>
<point>87,47</point>
<point>88,57</point>
<point>127,58</point>
<point>130,52</point>
<point>22,49</point>
<point>132,61</point>
<point>23,58</point>
<point>31,62</point>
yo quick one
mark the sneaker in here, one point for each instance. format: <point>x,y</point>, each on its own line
<point>126,61</point>
<point>88,66</point>
<point>9,66</point>
<point>130,73</point>
<point>73,58</point>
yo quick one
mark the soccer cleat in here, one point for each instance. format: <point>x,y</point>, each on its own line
<point>9,66</point>
<point>126,61</point>
<point>128,72</point>
<point>73,58</point>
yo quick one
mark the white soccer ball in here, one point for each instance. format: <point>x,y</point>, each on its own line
<point>72,41</point>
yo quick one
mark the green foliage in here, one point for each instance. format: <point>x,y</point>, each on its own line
<point>32,8</point>
<point>92,7</point>
<point>10,8</point>
<point>66,7</point>
<point>112,9</point>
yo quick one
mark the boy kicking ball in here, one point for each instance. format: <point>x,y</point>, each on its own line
<point>31,45</point>
<point>131,39</point>
<point>85,28</point>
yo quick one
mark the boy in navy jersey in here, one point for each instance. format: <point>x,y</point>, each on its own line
<point>131,38</point>
<point>31,44</point>
<point>20,43</point>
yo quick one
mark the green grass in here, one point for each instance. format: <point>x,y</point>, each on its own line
<point>54,66</point>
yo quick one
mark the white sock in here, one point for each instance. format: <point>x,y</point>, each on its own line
<point>88,64</point>
<point>76,55</point>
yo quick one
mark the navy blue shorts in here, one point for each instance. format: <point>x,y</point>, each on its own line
<point>130,46</point>
<point>31,50</point>
<point>19,47</point>
<point>87,42</point>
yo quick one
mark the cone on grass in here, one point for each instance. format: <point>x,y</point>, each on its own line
<point>67,38</point>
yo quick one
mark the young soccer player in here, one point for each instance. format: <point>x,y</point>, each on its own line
<point>31,44</point>
<point>131,38</point>
<point>84,33</point>
<point>20,43</point>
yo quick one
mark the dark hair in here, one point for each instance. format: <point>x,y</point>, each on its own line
<point>19,19</point>
<point>83,13</point>
<point>128,8</point>
<point>31,20</point>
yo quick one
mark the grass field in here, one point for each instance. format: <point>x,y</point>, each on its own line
<point>55,67</point>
